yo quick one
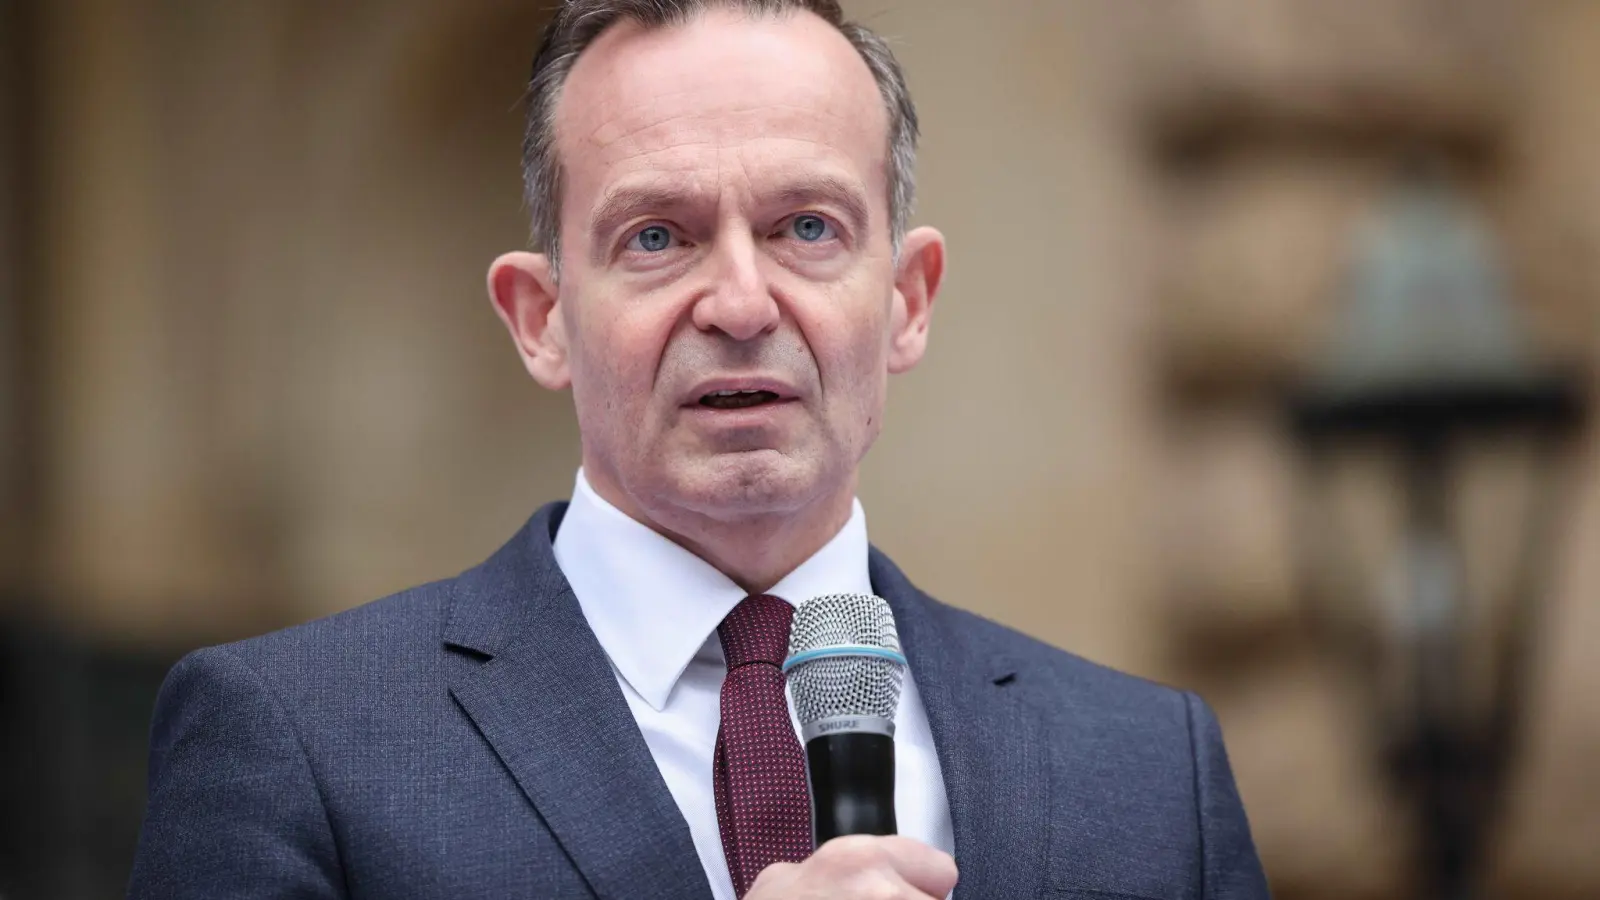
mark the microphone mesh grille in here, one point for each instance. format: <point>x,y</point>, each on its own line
<point>847,685</point>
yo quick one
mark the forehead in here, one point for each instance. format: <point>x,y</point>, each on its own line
<point>757,92</point>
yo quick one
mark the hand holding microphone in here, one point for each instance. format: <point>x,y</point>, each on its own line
<point>845,672</point>
<point>861,866</point>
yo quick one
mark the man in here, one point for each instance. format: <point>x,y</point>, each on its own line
<point>725,281</point>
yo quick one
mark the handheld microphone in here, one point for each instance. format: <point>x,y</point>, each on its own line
<point>845,671</point>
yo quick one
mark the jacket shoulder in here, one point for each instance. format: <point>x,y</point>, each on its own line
<point>1057,673</point>
<point>410,616</point>
<point>1052,677</point>
<point>385,642</point>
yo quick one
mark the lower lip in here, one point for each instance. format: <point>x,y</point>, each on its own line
<point>744,416</point>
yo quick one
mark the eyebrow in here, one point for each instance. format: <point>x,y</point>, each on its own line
<point>626,202</point>
<point>623,204</point>
<point>828,189</point>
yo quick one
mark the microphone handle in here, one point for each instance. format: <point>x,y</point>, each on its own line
<point>852,784</point>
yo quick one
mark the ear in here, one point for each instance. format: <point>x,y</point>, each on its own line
<point>525,296</point>
<point>916,284</point>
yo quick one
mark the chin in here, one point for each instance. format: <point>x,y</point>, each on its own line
<point>739,485</point>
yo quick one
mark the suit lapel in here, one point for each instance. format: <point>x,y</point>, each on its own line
<point>990,749</point>
<point>547,701</point>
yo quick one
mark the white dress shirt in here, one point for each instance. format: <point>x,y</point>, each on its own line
<point>655,608</point>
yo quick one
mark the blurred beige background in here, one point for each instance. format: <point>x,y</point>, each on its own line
<point>252,377</point>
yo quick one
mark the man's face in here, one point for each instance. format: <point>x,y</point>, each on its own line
<point>729,306</point>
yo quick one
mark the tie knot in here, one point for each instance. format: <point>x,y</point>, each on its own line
<point>757,631</point>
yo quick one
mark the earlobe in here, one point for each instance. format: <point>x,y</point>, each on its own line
<point>917,280</point>
<point>525,296</point>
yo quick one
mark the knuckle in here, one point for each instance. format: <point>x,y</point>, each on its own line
<point>777,873</point>
<point>880,888</point>
<point>853,851</point>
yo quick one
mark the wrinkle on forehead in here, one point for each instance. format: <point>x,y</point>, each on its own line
<point>663,125</point>
<point>722,85</point>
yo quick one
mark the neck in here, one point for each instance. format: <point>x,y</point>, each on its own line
<point>754,551</point>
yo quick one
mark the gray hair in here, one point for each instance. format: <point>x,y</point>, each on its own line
<point>577,23</point>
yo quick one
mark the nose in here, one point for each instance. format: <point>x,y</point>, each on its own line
<point>739,301</point>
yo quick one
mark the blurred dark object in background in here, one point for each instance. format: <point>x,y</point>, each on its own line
<point>74,729</point>
<point>1429,366</point>
<point>18,495</point>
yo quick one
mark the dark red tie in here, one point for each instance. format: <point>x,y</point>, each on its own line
<point>763,805</point>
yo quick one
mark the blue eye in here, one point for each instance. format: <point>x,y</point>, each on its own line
<point>652,239</point>
<point>811,228</point>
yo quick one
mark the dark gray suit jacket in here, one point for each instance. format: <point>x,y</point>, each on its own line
<point>468,739</point>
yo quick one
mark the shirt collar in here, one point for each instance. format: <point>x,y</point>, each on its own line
<point>653,605</point>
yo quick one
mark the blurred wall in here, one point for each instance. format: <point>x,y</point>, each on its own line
<point>269,386</point>
<point>13,77</point>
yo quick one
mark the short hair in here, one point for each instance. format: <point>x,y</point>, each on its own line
<point>577,23</point>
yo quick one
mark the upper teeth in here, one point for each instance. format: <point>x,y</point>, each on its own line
<point>733,393</point>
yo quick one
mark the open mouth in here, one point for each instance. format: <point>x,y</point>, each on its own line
<point>737,399</point>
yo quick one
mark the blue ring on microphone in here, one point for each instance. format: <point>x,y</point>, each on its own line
<point>844,650</point>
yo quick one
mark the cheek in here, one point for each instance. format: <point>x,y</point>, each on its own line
<point>615,354</point>
<point>853,356</point>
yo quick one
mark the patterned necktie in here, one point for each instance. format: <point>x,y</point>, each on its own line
<point>759,773</point>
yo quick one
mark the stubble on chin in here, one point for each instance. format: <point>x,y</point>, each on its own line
<point>733,486</point>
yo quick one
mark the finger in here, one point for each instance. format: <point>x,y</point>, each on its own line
<point>930,871</point>
<point>773,876</point>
